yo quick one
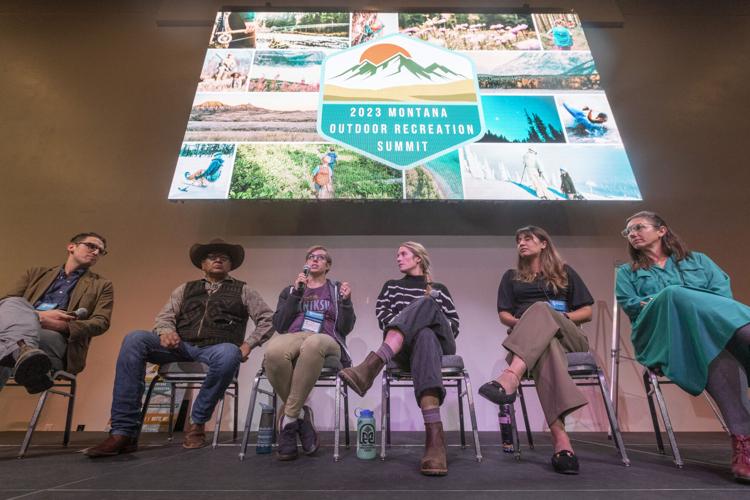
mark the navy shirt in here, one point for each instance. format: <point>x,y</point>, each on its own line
<point>57,295</point>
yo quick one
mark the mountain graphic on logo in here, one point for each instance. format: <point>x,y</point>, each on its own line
<point>389,72</point>
<point>400,67</point>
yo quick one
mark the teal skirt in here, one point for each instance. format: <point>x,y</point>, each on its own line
<point>682,329</point>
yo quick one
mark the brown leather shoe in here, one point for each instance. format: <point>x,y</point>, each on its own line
<point>741,457</point>
<point>361,377</point>
<point>195,437</point>
<point>115,444</point>
<point>434,462</point>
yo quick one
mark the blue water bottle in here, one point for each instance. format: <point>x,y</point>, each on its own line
<point>265,430</point>
<point>366,435</point>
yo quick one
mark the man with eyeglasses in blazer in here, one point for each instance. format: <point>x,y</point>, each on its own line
<point>49,316</point>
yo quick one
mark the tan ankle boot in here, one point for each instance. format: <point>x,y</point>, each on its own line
<point>195,437</point>
<point>361,377</point>
<point>434,462</point>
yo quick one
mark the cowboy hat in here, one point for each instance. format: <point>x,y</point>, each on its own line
<point>198,252</point>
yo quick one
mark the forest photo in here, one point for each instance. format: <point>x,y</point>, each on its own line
<point>291,171</point>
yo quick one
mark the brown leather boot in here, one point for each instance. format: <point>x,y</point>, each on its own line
<point>741,457</point>
<point>434,462</point>
<point>195,437</point>
<point>361,377</point>
<point>115,444</point>
<point>32,369</point>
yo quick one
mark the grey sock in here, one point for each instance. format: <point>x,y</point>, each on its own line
<point>385,352</point>
<point>431,415</point>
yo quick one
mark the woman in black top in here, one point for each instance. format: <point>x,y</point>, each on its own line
<point>419,323</point>
<point>542,303</point>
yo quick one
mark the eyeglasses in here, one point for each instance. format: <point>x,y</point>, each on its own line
<point>217,257</point>
<point>93,247</point>
<point>315,257</point>
<point>635,228</point>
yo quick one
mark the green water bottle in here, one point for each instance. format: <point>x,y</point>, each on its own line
<point>366,435</point>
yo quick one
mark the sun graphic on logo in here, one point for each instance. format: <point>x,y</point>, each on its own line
<point>382,52</point>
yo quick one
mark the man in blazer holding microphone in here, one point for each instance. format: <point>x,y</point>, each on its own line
<point>48,317</point>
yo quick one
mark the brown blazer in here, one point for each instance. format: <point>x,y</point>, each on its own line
<point>92,292</point>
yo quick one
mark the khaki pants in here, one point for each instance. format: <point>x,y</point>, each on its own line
<point>293,363</point>
<point>541,338</point>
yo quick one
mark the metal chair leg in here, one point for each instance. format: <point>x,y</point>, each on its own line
<point>346,416</point>
<point>384,416</point>
<point>235,405</point>
<point>217,426</point>
<point>514,427</point>
<point>32,424</point>
<point>473,415</point>
<point>249,417</point>
<point>529,437</point>
<point>69,414</point>
<point>665,418</point>
<point>613,424</point>
<point>461,428</point>
<point>146,402</point>
<point>336,419</point>
<point>388,411</point>
<point>275,405</point>
<point>719,417</point>
<point>652,408</point>
<point>170,428</point>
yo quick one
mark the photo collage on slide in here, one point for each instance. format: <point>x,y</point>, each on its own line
<point>252,131</point>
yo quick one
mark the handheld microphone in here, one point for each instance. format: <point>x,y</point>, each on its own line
<point>81,313</point>
<point>306,272</point>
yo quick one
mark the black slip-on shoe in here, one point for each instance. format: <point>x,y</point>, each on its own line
<point>565,462</point>
<point>493,391</point>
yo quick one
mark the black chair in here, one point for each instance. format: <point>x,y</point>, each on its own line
<point>652,383</point>
<point>62,379</point>
<point>454,375</point>
<point>585,371</point>
<point>328,378</point>
<point>185,375</point>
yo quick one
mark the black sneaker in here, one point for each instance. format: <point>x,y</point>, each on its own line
<point>565,462</point>
<point>287,448</point>
<point>32,370</point>
<point>307,433</point>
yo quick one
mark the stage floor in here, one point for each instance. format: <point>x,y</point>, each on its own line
<point>166,471</point>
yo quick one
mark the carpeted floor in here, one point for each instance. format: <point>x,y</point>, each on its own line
<point>166,471</point>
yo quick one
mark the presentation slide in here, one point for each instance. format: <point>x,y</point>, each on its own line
<point>394,106</point>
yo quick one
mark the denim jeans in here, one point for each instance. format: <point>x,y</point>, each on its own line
<point>140,347</point>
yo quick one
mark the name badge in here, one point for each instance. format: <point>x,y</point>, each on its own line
<point>46,306</point>
<point>558,305</point>
<point>313,322</point>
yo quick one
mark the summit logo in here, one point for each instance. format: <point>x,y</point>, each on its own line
<point>400,100</point>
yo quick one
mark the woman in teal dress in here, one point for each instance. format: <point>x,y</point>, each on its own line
<point>686,325</point>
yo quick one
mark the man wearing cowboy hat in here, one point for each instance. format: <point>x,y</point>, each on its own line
<point>204,320</point>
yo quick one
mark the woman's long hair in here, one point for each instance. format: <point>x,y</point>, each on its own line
<point>420,251</point>
<point>551,264</point>
<point>671,244</point>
